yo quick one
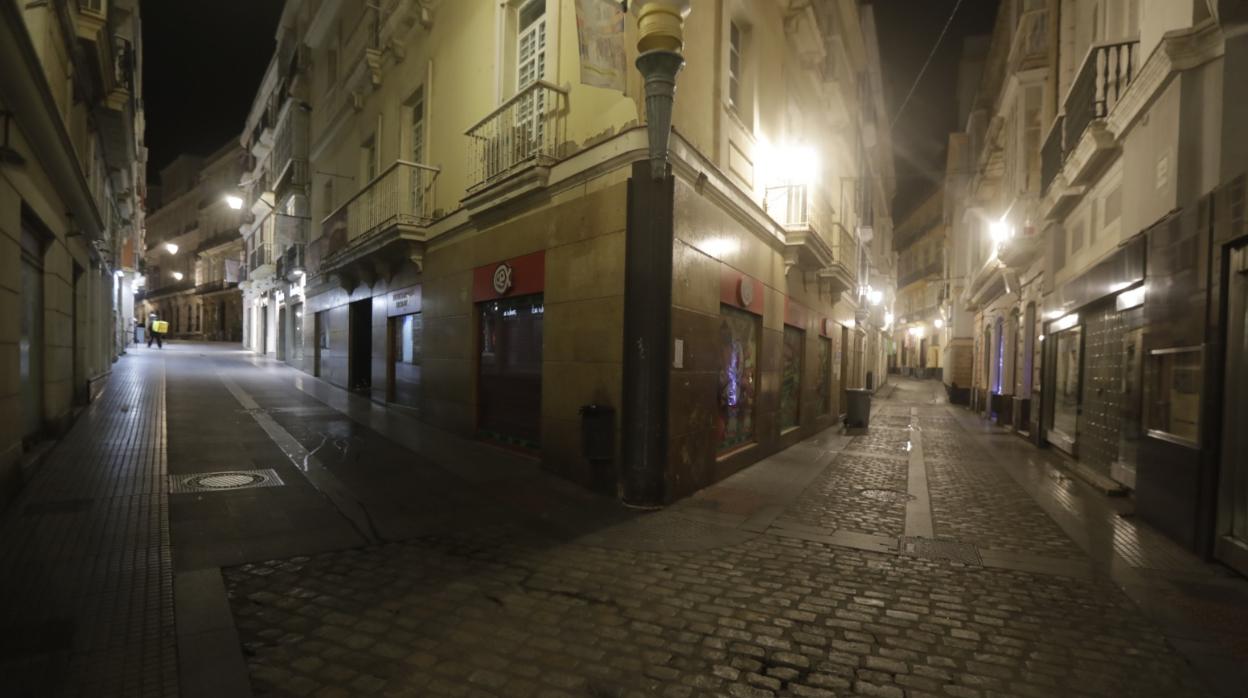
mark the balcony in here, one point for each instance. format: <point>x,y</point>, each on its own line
<point>1030,49</point>
<point>260,258</point>
<point>931,269</point>
<point>214,286</point>
<point>1051,153</point>
<point>521,137</point>
<point>378,228</point>
<point>1106,73</point>
<point>815,240</point>
<point>288,161</point>
<point>291,265</point>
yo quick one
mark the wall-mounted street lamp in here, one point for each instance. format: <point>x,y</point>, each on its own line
<point>234,202</point>
<point>171,247</point>
<point>939,323</point>
<point>177,276</point>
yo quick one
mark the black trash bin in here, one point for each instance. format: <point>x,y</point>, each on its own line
<point>858,412</point>
<point>598,442</point>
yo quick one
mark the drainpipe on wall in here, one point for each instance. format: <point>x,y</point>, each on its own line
<point>660,25</point>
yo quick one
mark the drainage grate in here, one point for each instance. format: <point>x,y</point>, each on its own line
<point>885,495</point>
<point>224,480</point>
<point>940,550</point>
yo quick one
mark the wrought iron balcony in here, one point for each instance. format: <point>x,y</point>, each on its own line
<point>816,239</point>
<point>526,129</point>
<point>401,196</point>
<point>291,264</point>
<point>288,161</point>
<point>1052,155</point>
<point>1106,73</point>
<point>260,256</point>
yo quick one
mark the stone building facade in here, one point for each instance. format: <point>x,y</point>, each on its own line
<point>194,255</point>
<point>1098,223</point>
<point>72,169</point>
<point>476,236</point>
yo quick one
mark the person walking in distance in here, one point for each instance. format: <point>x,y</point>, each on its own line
<point>156,328</point>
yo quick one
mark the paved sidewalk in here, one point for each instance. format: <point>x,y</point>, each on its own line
<point>86,591</point>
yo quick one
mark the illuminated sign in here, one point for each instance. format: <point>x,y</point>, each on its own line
<point>502,278</point>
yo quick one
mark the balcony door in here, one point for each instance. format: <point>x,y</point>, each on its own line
<point>418,149</point>
<point>530,67</point>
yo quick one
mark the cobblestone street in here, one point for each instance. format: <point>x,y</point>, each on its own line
<point>930,556</point>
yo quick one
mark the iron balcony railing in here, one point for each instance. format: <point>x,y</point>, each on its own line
<point>529,127</point>
<point>789,205</point>
<point>1106,73</point>
<point>288,161</point>
<point>795,206</point>
<point>1052,155</point>
<point>930,269</point>
<point>847,250</point>
<point>291,263</point>
<point>260,256</point>
<point>401,195</point>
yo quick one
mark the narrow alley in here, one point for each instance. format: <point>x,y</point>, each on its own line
<point>219,524</point>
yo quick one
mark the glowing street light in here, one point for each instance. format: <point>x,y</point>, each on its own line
<point>171,247</point>
<point>234,202</point>
<point>939,323</point>
<point>1000,231</point>
<point>177,276</point>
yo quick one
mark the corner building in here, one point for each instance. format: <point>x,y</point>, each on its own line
<point>487,247</point>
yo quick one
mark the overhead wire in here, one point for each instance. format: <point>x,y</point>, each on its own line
<point>918,78</point>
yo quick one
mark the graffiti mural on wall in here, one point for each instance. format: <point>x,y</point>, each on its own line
<point>791,378</point>
<point>738,378</point>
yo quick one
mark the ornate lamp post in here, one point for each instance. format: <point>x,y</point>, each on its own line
<point>660,25</point>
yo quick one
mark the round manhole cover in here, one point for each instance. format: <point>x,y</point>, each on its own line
<point>881,495</point>
<point>227,481</point>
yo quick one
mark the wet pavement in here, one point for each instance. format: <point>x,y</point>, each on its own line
<point>933,555</point>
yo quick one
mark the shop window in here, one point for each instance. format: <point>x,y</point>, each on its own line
<point>791,378</point>
<point>1066,385</point>
<point>296,343</point>
<point>1172,394</point>
<point>824,388</point>
<point>405,356</point>
<point>738,377</point>
<point>510,371</point>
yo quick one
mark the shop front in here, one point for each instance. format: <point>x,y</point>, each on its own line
<point>508,298</point>
<point>404,333</point>
<point>1092,341</point>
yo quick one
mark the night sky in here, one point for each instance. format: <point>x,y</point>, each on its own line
<point>907,29</point>
<point>204,61</point>
<point>202,66</point>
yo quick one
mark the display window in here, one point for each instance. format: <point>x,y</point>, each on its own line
<point>823,391</point>
<point>510,371</point>
<point>791,378</point>
<point>738,378</point>
<point>1172,394</point>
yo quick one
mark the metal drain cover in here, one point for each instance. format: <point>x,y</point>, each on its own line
<point>940,550</point>
<point>884,495</point>
<point>224,480</point>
